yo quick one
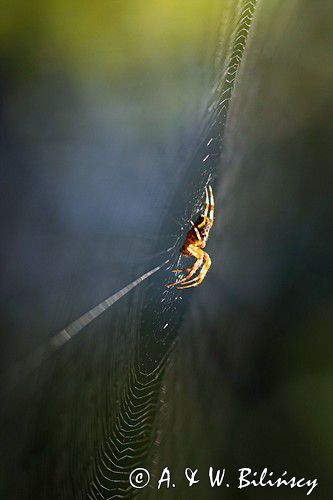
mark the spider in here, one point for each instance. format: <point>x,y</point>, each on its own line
<point>195,241</point>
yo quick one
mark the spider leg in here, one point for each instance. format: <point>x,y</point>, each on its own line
<point>199,278</point>
<point>181,270</point>
<point>211,205</point>
<point>199,255</point>
<point>206,209</point>
<point>196,231</point>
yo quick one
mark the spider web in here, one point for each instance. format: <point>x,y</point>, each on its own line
<point>104,408</point>
<point>134,434</point>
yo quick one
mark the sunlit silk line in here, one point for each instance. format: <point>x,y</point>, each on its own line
<point>33,361</point>
<point>67,333</point>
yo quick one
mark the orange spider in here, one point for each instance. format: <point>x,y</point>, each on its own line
<point>195,241</point>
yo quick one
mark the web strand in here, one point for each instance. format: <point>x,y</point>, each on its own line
<point>40,354</point>
<point>67,333</point>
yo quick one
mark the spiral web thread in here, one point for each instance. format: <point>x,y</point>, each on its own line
<point>128,441</point>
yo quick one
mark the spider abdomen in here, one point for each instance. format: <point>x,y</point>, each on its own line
<point>191,239</point>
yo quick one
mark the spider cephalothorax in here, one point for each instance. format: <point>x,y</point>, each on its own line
<point>195,241</point>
